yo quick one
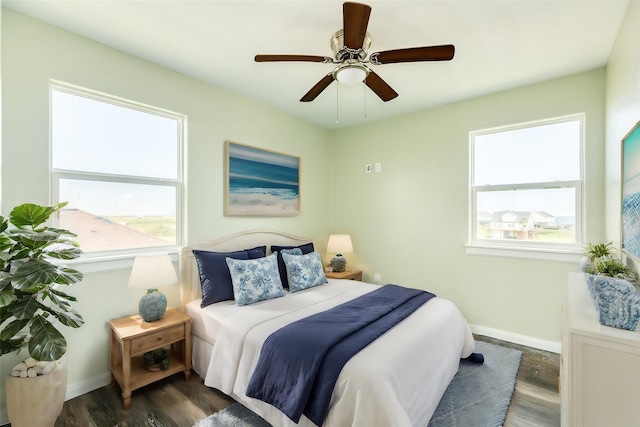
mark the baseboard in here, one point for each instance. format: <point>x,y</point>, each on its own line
<point>85,386</point>
<point>545,345</point>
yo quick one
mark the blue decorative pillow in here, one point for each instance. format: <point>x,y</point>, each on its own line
<point>304,271</point>
<point>255,279</point>
<point>294,251</point>
<point>215,279</point>
<point>306,248</point>
<point>257,252</point>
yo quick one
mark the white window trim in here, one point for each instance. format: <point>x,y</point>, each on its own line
<point>519,248</point>
<point>120,259</point>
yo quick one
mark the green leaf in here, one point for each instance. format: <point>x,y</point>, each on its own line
<point>13,329</point>
<point>32,215</point>
<point>67,253</point>
<point>61,231</point>
<point>12,345</point>
<point>71,318</point>
<point>34,275</point>
<point>25,308</point>
<point>62,295</point>
<point>7,296</point>
<point>5,242</point>
<point>68,276</point>
<point>5,313</point>
<point>46,342</point>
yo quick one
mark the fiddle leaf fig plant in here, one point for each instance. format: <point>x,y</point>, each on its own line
<point>31,277</point>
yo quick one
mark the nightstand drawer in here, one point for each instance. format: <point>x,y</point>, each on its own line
<point>157,339</point>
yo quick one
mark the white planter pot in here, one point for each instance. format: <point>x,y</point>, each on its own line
<point>37,402</point>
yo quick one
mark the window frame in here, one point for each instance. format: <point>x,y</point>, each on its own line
<point>111,256</point>
<point>524,248</point>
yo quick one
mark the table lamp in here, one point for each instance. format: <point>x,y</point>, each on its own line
<point>339,244</point>
<point>152,272</point>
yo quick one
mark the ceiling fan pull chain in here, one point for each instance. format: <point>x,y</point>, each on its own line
<point>337,105</point>
<point>364,93</point>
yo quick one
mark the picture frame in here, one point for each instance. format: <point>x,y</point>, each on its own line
<point>630,196</point>
<point>260,182</point>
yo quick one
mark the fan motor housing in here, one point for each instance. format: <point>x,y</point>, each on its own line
<point>343,53</point>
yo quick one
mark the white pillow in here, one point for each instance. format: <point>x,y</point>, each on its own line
<point>304,271</point>
<point>255,279</point>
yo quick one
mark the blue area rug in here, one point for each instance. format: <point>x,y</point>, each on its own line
<point>479,395</point>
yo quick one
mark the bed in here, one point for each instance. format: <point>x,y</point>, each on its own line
<point>396,380</point>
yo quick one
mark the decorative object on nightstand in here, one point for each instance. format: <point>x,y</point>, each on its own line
<point>339,244</point>
<point>152,272</point>
<point>157,359</point>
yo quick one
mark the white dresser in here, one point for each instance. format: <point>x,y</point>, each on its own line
<point>600,366</point>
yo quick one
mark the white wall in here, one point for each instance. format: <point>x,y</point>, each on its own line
<point>34,52</point>
<point>410,222</point>
<point>623,111</point>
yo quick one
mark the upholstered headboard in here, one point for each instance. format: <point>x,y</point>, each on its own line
<point>189,276</point>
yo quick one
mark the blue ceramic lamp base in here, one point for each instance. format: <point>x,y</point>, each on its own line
<point>152,306</point>
<point>338,263</point>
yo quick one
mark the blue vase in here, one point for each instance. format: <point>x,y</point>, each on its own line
<point>152,306</point>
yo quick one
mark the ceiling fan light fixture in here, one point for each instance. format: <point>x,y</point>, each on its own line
<point>351,74</point>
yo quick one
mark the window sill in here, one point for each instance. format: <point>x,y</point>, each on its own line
<point>570,255</point>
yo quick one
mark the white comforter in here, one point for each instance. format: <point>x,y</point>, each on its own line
<point>397,380</point>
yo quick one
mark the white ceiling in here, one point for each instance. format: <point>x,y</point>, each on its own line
<point>500,45</point>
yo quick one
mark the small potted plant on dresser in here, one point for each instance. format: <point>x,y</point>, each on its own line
<point>612,286</point>
<point>31,303</point>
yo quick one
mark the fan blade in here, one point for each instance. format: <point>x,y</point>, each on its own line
<point>414,54</point>
<point>355,18</point>
<point>303,58</point>
<point>380,87</point>
<point>318,88</point>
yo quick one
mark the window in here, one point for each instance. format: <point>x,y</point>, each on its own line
<point>526,185</point>
<point>118,165</point>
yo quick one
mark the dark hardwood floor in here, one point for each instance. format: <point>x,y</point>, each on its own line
<point>174,402</point>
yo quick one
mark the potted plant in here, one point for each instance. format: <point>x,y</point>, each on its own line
<point>32,303</point>
<point>157,359</point>
<point>613,267</point>
<point>594,252</point>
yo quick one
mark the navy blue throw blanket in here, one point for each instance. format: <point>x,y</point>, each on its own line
<point>299,364</point>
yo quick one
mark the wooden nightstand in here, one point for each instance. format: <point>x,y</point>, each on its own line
<point>131,337</point>
<point>348,275</point>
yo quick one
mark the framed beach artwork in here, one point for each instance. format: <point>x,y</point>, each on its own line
<point>631,192</point>
<point>260,182</point>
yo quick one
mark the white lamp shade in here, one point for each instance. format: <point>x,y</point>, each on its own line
<point>339,244</point>
<point>152,272</point>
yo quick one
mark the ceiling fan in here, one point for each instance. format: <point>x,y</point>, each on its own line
<point>350,45</point>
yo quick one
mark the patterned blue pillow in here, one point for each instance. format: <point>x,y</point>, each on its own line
<point>306,249</point>
<point>294,251</point>
<point>304,271</point>
<point>255,279</point>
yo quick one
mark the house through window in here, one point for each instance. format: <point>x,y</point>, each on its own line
<point>526,185</point>
<point>118,165</point>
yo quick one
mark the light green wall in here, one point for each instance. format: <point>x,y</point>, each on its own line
<point>410,222</point>
<point>34,52</point>
<point>623,111</point>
